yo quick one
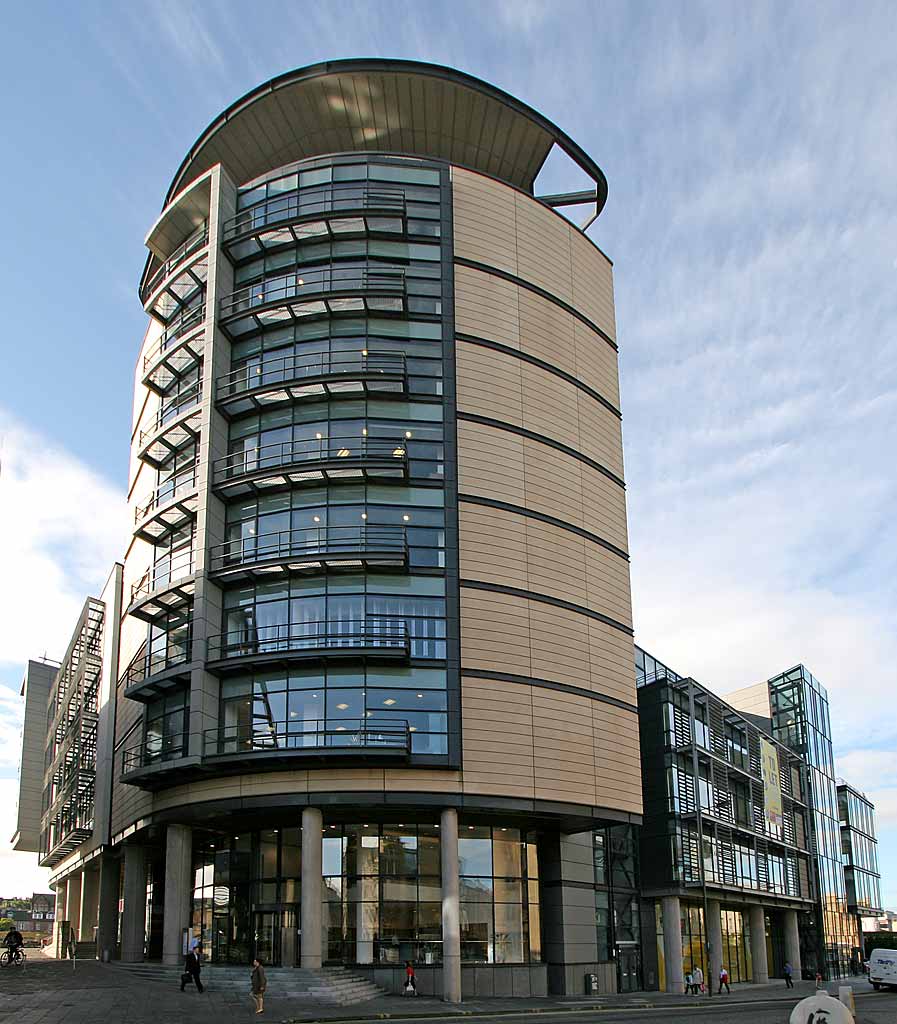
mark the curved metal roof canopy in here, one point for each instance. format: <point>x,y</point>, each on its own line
<point>388,105</point>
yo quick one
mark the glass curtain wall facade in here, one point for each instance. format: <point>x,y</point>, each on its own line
<point>617,904</point>
<point>719,825</point>
<point>800,719</point>
<point>859,854</point>
<point>318,383</point>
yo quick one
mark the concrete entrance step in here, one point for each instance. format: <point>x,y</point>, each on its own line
<point>328,986</point>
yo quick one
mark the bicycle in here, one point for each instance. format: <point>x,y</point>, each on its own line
<point>10,957</point>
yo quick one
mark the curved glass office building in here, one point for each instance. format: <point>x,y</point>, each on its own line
<point>376,684</point>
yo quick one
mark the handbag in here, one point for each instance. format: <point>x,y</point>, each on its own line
<point>185,977</point>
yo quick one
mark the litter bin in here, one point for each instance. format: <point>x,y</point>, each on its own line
<point>591,984</point>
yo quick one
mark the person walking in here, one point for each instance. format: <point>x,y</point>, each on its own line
<point>724,980</point>
<point>819,979</point>
<point>258,983</point>
<point>689,983</point>
<point>789,971</point>
<point>697,977</point>
<point>410,980</point>
<point>192,967</point>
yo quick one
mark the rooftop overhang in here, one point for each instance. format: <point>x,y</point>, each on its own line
<point>390,106</point>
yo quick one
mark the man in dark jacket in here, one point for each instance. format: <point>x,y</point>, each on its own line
<point>258,983</point>
<point>191,969</point>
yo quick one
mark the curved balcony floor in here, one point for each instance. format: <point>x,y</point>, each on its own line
<point>163,441</point>
<point>178,292</point>
<point>337,210</point>
<point>313,293</point>
<point>176,353</point>
<point>160,517</point>
<point>232,652</point>
<point>153,675</point>
<point>153,603</point>
<point>291,379</point>
<point>153,772</point>
<point>310,463</point>
<point>186,254</point>
<point>312,550</point>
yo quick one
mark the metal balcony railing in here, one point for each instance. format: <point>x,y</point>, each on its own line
<point>325,202</point>
<point>177,486</point>
<point>148,663</point>
<point>195,242</point>
<point>164,573</point>
<point>313,639</point>
<point>171,408</point>
<point>332,281</point>
<point>296,736</point>
<point>315,374</point>
<point>170,338</point>
<point>310,547</point>
<point>342,451</point>
<point>150,754</point>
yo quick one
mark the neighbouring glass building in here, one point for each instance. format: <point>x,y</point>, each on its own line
<point>372,696</point>
<point>796,707</point>
<point>859,855</point>
<point>726,868</point>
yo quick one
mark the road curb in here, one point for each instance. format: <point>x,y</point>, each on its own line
<point>535,1010</point>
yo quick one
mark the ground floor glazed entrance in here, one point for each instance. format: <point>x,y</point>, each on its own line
<point>380,894</point>
<point>482,904</point>
<point>752,942</point>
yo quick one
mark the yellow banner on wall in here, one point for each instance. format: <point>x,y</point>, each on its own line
<point>772,784</point>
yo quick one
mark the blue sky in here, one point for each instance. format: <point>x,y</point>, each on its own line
<point>751,153</point>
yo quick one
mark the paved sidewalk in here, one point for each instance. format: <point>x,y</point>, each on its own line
<point>52,992</point>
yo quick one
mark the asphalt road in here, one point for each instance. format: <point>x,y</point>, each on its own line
<point>876,1008</point>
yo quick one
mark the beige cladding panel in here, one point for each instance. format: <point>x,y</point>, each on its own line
<point>501,227</point>
<point>520,636</point>
<point>490,307</point>
<point>513,550</point>
<point>543,744</point>
<point>500,386</point>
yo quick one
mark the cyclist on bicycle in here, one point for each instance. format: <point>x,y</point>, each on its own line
<point>13,940</point>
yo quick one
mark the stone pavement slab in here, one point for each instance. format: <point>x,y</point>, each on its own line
<point>53,992</point>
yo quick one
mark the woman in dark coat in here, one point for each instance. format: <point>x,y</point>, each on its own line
<point>258,983</point>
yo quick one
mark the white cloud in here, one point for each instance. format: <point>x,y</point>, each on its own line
<point>61,528</point>
<point>12,708</point>
<point>20,875</point>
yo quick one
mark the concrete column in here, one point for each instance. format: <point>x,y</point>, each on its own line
<point>90,894</point>
<point>133,922</point>
<point>60,917</point>
<point>792,941</point>
<point>178,891</point>
<point>714,941</point>
<point>107,914</point>
<point>366,909</point>
<point>312,822</point>
<point>758,945</point>
<point>672,945</point>
<point>73,902</point>
<point>570,941</point>
<point>451,909</point>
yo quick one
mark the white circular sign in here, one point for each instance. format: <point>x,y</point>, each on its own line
<point>820,1008</point>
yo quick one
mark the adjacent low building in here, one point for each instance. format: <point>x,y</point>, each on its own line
<point>726,868</point>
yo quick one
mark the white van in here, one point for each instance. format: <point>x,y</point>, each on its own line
<point>883,968</point>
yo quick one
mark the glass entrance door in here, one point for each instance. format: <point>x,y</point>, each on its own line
<point>266,937</point>
<point>628,969</point>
